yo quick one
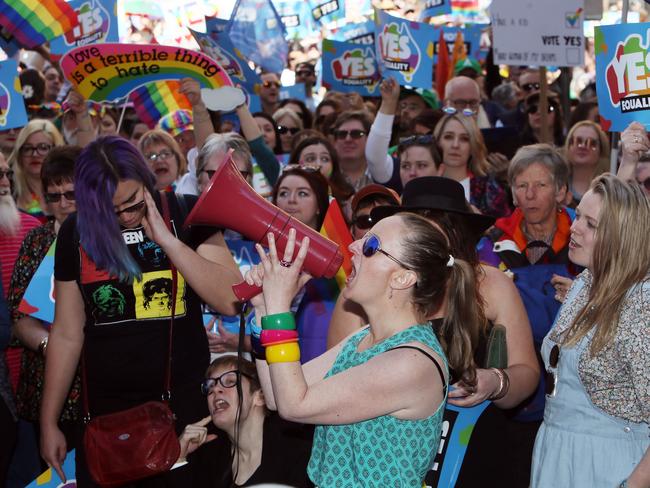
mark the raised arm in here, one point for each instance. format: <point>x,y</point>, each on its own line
<point>200,116</point>
<point>263,154</point>
<point>380,163</point>
<point>634,143</point>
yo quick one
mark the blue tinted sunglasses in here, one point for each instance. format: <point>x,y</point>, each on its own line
<point>372,245</point>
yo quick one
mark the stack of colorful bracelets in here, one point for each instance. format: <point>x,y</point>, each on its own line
<point>280,338</point>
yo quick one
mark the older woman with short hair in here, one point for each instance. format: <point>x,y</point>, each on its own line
<point>213,153</point>
<point>164,158</point>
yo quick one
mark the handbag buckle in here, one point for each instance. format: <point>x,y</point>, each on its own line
<point>86,418</point>
<point>166,396</point>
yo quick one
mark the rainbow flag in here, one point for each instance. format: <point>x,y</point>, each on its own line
<point>335,229</point>
<point>158,99</point>
<point>34,22</point>
<point>466,8</point>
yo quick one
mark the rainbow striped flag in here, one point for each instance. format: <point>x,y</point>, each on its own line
<point>157,99</point>
<point>34,22</point>
<point>335,229</point>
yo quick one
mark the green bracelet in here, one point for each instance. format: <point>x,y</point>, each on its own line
<point>279,321</point>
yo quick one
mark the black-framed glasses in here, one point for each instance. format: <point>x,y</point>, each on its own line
<point>51,197</point>
<point>551,375</point>
<point>372,245</point>
<point>6,172</point>
<point>292,130</point>
<point>467,112</point>
<point>229,379</point>
<point>269,84</point>
<point>530,86</point>
<point>162,155</point>
<point>354,134</point>
<point>31,150</point>
<point>588,142</point>
<point>132,209</point>
<point>533,109</point>
<point>363,221</point>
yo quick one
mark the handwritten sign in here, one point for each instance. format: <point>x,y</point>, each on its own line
<point>349,67</point>
<point>109,72</point>
<point>12,104</point>
<point>622,70</point>
<point>545,33</point>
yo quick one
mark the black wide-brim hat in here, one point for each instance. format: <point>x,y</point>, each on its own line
<point>436,193</point>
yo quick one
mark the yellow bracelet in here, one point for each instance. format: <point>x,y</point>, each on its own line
<point>283,353</point>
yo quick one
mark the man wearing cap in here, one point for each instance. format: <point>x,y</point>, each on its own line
<point>180,126</point>
<point>412,101</point>
<point>369,197</point>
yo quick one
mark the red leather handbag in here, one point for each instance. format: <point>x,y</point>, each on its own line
<point>139,442</point>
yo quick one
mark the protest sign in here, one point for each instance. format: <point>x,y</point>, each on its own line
<point>230,59</point>
<point>359,33</point>
<point>404,50</point>
<point>471,38</point>
<point>297,18</point>
<point>327,11</point>
<point>49,478</point>
<point>349,67</point>
<point>38,299</point>
<point>433,8</point>
<point>109,72</point>
<point>215,26</point>
<point>12,104</point>
<point>157,99</point>
<point>545,33</point>
<point>622,70</point>
<point>97,23</point>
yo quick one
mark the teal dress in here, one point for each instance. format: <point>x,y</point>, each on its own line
<point>384,451</point>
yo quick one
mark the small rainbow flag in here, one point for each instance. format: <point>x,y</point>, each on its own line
<point>158,99</point>
<point>335,229</point>
<point>34,22</point>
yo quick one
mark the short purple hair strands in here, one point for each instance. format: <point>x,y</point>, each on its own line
<point>100,167</point>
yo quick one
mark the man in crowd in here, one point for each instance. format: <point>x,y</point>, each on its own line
<point>270,92</point>
<point>350,136</point>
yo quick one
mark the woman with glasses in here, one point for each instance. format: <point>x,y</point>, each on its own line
<point>252,446</point>
<point>531,132</point>
<point>57,175</point>
<point>587,152</point>
<point>597,415</point>
<point>164,158</point>
<point>381,391</point>
<point>32,145</point>
<point>289,124</point>
<point>108,255</point>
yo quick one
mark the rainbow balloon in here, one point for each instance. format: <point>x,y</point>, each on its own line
<point>34,22</point>
<point>157,99</point>
<point>110,72</point>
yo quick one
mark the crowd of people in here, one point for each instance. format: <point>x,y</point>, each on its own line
<point>495,259</point>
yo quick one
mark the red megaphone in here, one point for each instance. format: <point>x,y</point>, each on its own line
<point>229,202</point>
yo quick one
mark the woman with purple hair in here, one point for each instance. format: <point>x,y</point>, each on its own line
<point>106,256</point>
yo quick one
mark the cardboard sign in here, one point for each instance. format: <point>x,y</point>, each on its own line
<point>349,67</point>
<point>297,18</point>
<point>404,50</point>
<point>12,104</point>
<point>38,299</point>
<point>49,478</point>
<point>545,33</point>
<point>109,72</point>
<point>360,33</point>
<point>327,11</point>
<point>433,8</point>
<point>215,26</point>
<point>97,24</point>
<point>622,70</point>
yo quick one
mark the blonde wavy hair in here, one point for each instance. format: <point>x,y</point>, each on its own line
<point>21,187</point>
<point>621,259</point>
<point>477,162</point>
<point>603,145</point>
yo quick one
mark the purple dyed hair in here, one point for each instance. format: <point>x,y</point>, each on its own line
<point>100,167</point>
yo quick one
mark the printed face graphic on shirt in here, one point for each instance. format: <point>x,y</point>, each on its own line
<point>109,301</point>
<point>153,295</point>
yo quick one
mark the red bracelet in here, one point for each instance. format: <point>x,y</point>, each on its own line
<point>269,337</point>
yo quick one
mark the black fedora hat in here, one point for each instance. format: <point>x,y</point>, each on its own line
<point>435,193</point>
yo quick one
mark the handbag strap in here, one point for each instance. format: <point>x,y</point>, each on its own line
<point>166,396</point>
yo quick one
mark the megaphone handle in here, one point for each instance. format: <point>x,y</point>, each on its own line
<point>243,291</point>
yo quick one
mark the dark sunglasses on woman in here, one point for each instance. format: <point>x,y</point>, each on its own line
<point>283,130</point>
<point>55,197</point>
<point>363,221</point>
<point>534,108</point>
<point>372,246</point>
<point>354,134</point>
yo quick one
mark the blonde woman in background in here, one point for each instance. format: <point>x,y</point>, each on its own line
<point>164,158</point>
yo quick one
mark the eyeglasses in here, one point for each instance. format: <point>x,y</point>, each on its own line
<point>587,142</point>
<point>55,197</point>
<point>162,155</point>
<point>354,134</point>
<point>530,86</point>
<point>6,172</point>
<point>132,209</point>
<point>467,112</point>
<point>228,379</point>
<point>306,167</point>
<point>363,222</point>
<point>41,149</point>
<point>269,84</point>
<point>372,245</point>
<point>534,108</point>
<point>460,103</point>
<point>283,130</point>
<point>551,376</point>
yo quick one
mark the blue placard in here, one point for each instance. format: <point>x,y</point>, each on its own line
<point>230,59</point>
<point>12,104</point>
<point>49,478</point>
<point>215,26</point>
<point>359,33</point>
<point>296,91</point>
<point>296,17</point>
<point>433,8</point>
<point>327,11</point>
<point>404,50</point>
<point>349,67</point>
<point>97,23</point>
<point>622,75</point>
<point>471,38</point>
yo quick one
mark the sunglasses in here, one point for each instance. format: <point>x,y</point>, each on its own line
<point>41,149</point>
<point>229,379</point>
<point>534,108</point>
<point>530,86</point>
<point>372,245</point>
<point>162,155</point>
<point>6,172</point>
<point>588,142</point>
<point>551,376</point>
<point>283,130</point>
<point>132,209</point>
<point>467,112</point>
<point>55,197</point>
<point>354,134</point>
<point>269,84</point>
<point>363,221</point>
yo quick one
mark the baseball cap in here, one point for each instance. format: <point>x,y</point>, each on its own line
<point>374,189</point>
